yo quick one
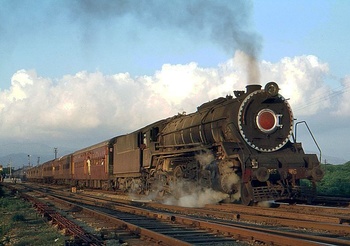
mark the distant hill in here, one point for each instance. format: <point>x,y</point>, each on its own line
<point>19,160</point>
<point>26,148</point>
<point>16,154</point>
<point>329,159</point>
<point>333,160</point>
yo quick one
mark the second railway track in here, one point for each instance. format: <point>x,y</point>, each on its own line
<point>220,225</point>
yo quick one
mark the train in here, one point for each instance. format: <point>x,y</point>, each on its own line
<point>247,140</point>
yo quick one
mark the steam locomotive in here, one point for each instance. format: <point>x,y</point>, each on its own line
<point>248,143</point>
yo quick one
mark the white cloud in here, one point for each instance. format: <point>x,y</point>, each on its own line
<point>98,105</point>
<point>344,99</point>
<point>302,80</point>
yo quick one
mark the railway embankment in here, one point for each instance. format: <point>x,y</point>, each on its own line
<point>20,224</point>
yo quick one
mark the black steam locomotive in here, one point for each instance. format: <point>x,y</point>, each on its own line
<point>247,142</point>
<point>250,139</point>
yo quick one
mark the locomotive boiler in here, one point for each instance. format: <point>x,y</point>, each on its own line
<point>242,146</point>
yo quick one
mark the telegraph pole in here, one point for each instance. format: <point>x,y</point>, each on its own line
<point>10,163</point>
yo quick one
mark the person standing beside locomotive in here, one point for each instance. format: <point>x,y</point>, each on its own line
<point>88,162</point>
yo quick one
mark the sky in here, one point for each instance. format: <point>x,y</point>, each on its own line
<point>74,73</point>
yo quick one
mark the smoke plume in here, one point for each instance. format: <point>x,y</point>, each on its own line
<point>225,22</point>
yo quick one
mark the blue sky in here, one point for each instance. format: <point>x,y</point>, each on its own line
<point>49,48</point>
<point>54,39</point>
<point>293,28</point>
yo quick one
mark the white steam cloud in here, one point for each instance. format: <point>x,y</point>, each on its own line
<point>189,194</point>
<point>205,158</point>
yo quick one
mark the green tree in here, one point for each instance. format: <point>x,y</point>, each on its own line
<point>336,181</point>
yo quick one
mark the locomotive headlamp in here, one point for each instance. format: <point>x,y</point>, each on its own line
<point>267,120</point>
<point>272,88</point>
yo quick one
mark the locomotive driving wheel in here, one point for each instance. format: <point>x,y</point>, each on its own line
<point>247,194</point>
<point>178,173</point>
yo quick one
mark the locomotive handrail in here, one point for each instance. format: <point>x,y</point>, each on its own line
<point>308,128</point>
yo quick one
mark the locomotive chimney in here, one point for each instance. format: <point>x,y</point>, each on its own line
<point>251,88</point>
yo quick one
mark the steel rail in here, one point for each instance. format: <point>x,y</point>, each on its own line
<point>62,222</point>
<point>239,232</point>
<point>137,230</point>
<point>337,228</point>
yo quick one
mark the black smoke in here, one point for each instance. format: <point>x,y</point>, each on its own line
<point>226,23</point>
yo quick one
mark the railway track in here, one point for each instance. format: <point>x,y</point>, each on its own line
<point>332,201</point>
<point>321,200</point>
<point>213,224</point>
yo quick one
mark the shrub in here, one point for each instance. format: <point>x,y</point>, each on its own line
<point>2,193</point>
<point>18,217</point>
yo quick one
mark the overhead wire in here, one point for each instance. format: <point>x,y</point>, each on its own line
<point>325,96</point>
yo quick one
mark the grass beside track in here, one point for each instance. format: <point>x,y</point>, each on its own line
<point>20,224</point>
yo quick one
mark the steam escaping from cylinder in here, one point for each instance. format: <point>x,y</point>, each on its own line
<point>189,194</point>
<point>186,193</point>
<point>266,204</point>
<point>230,182</point>
<point>205,158</point>
<point>228,178</point>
